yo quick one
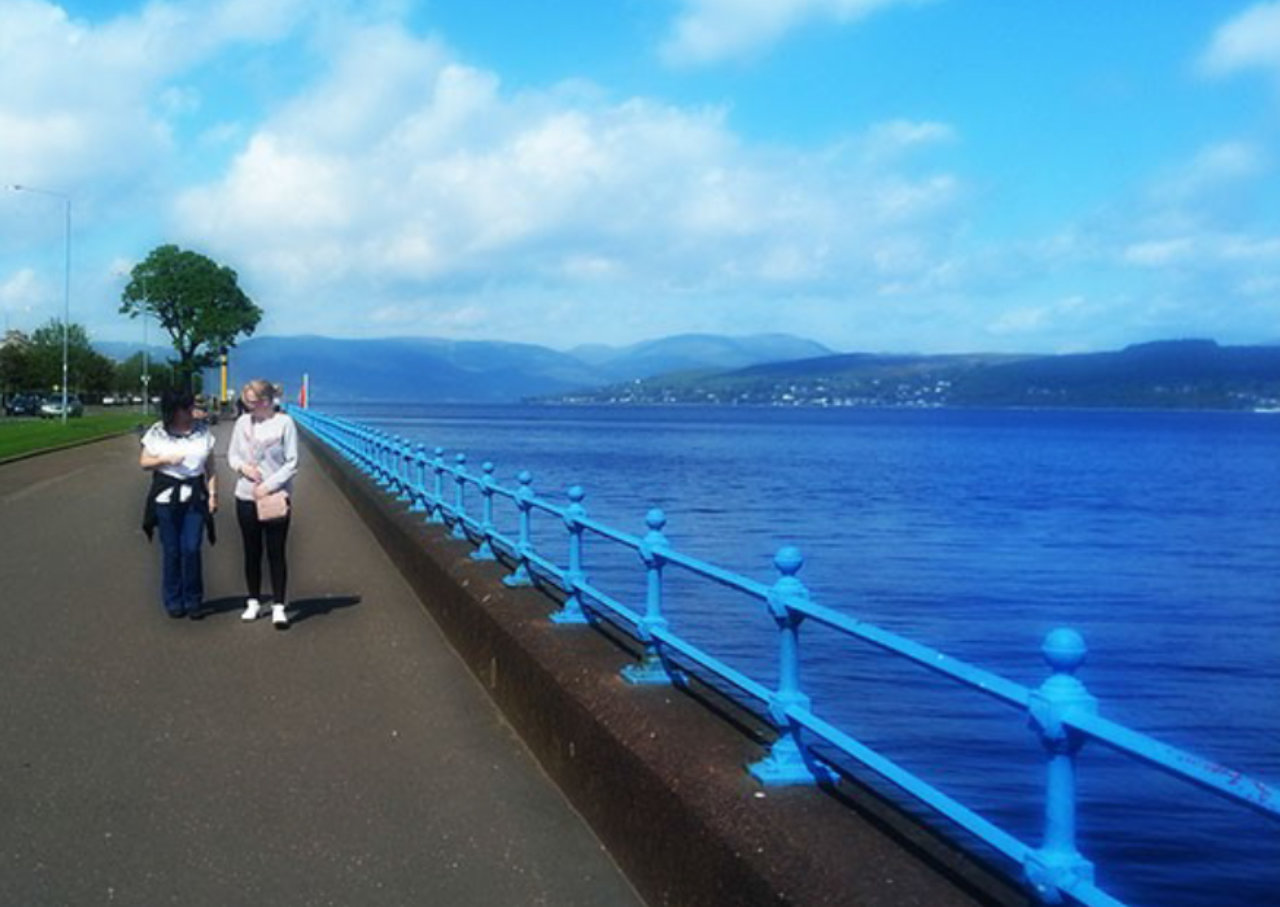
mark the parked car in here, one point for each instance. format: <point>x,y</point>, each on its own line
<point>52,406</point>
<point>27,404</point>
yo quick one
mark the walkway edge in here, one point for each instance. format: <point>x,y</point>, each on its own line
<point>657,774</point>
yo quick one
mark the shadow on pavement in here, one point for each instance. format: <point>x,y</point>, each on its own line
<point>299,610</point>
<point>306,608</point>
<point>218,606</point>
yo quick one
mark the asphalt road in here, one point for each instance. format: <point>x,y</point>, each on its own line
<point>349,760</point>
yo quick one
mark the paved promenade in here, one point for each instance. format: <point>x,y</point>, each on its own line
<point>350,760</point>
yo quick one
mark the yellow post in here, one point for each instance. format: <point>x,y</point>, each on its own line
<point>223,398</point>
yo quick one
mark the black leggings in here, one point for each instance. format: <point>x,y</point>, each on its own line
<point>254,533</point>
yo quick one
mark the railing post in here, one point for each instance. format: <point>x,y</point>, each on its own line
<point>418,485</point>
<point>787,763</point>
<point>485,551</point>
<point>1058,865</point>
<point>371,453</point>
<point>404,456</point>
<point>460,498</point>
<point>524,546</point>
<point>365,451</point>
<point>571,609</point>
<point>384,460</point>
<point>652,668</point>
<point>437,498</point>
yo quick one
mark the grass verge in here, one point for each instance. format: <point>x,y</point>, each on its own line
<point>19,437</point>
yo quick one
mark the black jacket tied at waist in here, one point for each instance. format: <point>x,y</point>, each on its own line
<point>199,498</point>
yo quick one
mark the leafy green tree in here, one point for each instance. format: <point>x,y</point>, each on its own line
<point>96,375</point>
<point>196,300</point>
<point>15,365</point>
<point>46,357</point>
<point>88,371</point>
<point>129,376</point>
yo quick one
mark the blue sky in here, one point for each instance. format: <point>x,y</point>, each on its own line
<point>883,175</point>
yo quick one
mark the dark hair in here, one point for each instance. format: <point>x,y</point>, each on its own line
<point>171,401</point>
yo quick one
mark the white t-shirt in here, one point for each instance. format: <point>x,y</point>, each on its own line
<point>196,447</point>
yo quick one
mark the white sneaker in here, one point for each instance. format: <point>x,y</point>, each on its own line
<point>278,617</point>
<point>251,610</point>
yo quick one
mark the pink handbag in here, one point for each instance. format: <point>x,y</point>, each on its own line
<point>274,506</point>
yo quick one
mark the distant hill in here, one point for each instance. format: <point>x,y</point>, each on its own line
<point>703,368</point>
<point>1197,373</point>
<point>425,369</point>
<point>685,352</point>
<point>409,369</point>
<point>119,350</point>
<point>1180,373</point>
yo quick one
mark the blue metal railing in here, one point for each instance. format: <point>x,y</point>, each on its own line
<point>1061,711</point>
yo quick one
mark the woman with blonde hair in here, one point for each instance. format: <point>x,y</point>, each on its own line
<point>264,454</point>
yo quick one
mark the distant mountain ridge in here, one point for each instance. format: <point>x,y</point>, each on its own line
<point>1167,374</point>
<point>761,369</point>
<point>434,370</point>
<point>1170,373</point>
<point>120,350</point>
<point>686,352</point>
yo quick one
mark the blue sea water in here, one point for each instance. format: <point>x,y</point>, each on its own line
<point>1155,534</point>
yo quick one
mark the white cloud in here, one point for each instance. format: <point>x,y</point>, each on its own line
<point>1196,249</point>
<point>1159,253</point>
<point>1058,317</point>
<point>415,180</point>
<point>1250,40</point>
<point>1215,191</point>
<point>404,191</point>
<point>23,291</point>
<point>1213,169</point>
<point>85,105</point>
<point>1206,249</point>
<point>896,137</point>
<point>709,31</point>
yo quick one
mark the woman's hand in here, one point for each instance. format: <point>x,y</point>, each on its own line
<point>251,472</point>
<point>260,491</point>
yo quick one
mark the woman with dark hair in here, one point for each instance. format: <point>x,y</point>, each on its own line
<point>264,455</point>
<point>182,499</point>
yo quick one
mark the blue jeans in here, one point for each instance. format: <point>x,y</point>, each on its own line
<point>181,528</point>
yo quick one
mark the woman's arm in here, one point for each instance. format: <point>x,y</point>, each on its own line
<point>235,450</point>
<point>238,454</point>
<point>150,461</point>
<point>211,481</point>
<point>289,440</point>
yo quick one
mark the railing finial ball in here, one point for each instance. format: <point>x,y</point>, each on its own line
<point>525,477</point>
<point>487,467</point>
<point>1064,650</point>
<point>655,519</point>
<point>788,560</point>
<point>576,493</point>
<point>460,459</point>
<point>439,451</point>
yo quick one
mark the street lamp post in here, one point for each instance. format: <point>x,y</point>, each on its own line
<point>146,364</point>
<point>66,283</point>
<point>145,377</point>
